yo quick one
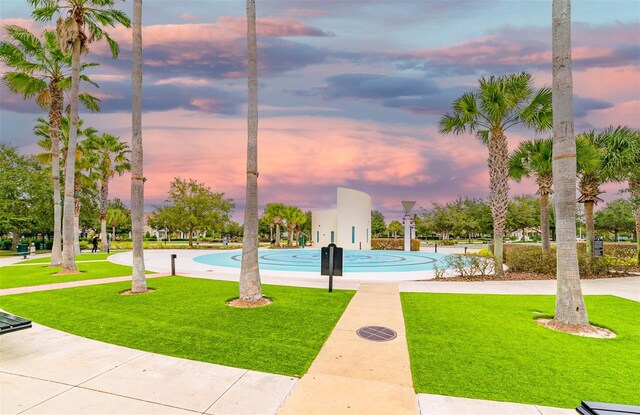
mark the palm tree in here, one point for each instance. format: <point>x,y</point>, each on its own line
<point>82,25</point>
<point>621,158</point>
<point>533,158</point>
<point>107,156</point>
<point>570,308</point>
<point>250,285</point>
<point>84,177</point>
<point>498,104</point>
<point>591,175</point>
<point>139,279</point>
<point>274,213</point>
<point>294,218</point>
<point>39,68</point>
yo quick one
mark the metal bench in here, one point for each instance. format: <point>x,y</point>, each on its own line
<point>600,408</point>
<point>9,322</point>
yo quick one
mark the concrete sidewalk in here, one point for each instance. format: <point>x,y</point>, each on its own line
<point>46,371</point>
<point>352,375</point>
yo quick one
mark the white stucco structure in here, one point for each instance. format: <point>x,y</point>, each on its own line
<point>348,226</point>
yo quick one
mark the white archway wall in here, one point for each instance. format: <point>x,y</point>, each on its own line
<point>354,219</point>
<point>323,222</point>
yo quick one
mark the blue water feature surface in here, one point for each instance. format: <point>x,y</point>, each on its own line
<point>308,260</point>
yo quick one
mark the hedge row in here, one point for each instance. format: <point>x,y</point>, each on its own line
<point>393,244</point>
<point>531,258</point>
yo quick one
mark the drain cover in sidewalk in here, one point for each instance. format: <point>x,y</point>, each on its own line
<point>376,333</point>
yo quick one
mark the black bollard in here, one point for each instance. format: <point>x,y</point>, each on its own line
<point>173,264</point>
<point>436,251</point>
<point>465,250</point>
<point>330,268</point>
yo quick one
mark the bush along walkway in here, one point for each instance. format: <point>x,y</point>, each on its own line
<point>355,375</point>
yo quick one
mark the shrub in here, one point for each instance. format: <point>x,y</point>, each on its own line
<point>470,265</point>
<point>448,242</point>
<point>393,244</point>
<point>531,258</point>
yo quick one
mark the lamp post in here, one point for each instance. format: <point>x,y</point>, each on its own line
<point>407,221</point>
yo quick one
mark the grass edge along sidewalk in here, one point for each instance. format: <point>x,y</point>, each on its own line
<point>189,318</point>
<point>489,347</point>
<point>12,276</point>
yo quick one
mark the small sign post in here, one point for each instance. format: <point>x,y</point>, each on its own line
<point>598,247</point>
<point>331,263</point>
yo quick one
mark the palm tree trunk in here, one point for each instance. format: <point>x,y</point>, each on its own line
<point>104,196</point>
<point>634,189</point>
<point>249,283</point>
<point>498,193</point>
<point>68,254</point>
<point>277,234</point>
<point>139,279</point>
<point>544,221</point>
<point>590,231</point>
<point>16,239</point>
<point>55,114</point>
<point>76,226</point>
<point>570,308</point>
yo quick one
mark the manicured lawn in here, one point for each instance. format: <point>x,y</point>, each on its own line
<point>28,275</point>
<point>87,256</point>
<point>188,317</point>
<point>490,347</point>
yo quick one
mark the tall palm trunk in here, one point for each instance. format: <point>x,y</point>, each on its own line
<point>570,308</point>
<point>68,255</point>
<point>634,189</point>
<point>277,234</point>
<point>76,219</point>
<point>589,226</point>
<point>55,115</point>
<point>250,285</point>
<point>544,221</point>
<point>104,197</point>
<point>498,192</point>
<point>138,280</point>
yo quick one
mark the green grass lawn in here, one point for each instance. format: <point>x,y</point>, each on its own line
<point>490,347</point>
<point>24,276</point>
<point>87,256</point>
<point>188,317</point>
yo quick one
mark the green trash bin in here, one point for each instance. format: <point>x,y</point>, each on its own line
<point>23,249</point>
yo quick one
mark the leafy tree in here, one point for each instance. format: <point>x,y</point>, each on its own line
<point>569,308</point>
<point>499,103</point>
<point>38,67</point>
<point>617,216</point>
<point>250,286</point>
<point>25,193</point>
<point>107,156</point>
<point>396,228</point>
<point>83,24</point>
<point>378,226</point>
<point>523,212</point>
<point>118,217</point>
<point>193,207</point>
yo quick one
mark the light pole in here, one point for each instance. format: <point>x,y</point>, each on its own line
<point>407,221</point>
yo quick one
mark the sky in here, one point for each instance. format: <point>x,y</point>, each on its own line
<point>350,92</point>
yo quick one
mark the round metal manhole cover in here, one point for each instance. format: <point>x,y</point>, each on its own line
<point>376,333</point>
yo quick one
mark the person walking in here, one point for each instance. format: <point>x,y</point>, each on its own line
<point>94,241</point>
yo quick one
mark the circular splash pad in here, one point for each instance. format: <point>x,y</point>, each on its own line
<point>308,260</point>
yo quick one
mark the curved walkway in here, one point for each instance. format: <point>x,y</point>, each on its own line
<point>46,371</point>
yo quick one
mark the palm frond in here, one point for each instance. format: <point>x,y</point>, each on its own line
<point>23,84</point>
<point>90,102</point>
